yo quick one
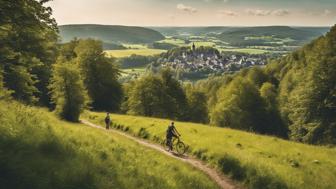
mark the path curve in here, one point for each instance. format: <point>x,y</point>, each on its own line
<point>220,179</point>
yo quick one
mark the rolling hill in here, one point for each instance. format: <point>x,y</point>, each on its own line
<point>176,31</point>
<point>268,34</point>
<point>110,33</point>
<point>256,160</point>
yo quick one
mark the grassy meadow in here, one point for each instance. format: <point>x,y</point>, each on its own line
<point>38,151</point>
<point>256,160</point>
<point>129,52</point>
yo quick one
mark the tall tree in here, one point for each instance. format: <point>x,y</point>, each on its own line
<point>240,106</point>
<point>68,92</point>
<point>100,75</point>
<point>197,105</point>
<point>177,108</point>
<point>28,36</point>
<point>149,98</point>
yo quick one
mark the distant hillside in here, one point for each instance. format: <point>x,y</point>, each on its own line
<point>175,31</point>
<point>110,34</point>
<point>237,36</point>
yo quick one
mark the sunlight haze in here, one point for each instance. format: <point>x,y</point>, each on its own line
<point>195,12</point>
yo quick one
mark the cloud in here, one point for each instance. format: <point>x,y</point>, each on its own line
<point>225,1</point>
<point>280,12</point>
<point>185,8</point>
<point>260,12</point>
<point>326,12</point>
<point>227,13</point>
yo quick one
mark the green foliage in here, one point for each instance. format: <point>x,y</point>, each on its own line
<point>68,92</point>
<point>148,97</point>
<point>240,106</point>
<point>157,95</point>
<point>307,91</point>
<point>177,109</point>
<point>197,105</point>
<point>163,45</point>
<point>28,36</point>
<point>134,61</point>
<point>98,71</point>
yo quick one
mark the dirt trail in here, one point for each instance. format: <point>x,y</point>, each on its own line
<point>221,180</point>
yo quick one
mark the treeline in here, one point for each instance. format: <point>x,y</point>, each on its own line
<point>134,61</point>
<point>161,95</point>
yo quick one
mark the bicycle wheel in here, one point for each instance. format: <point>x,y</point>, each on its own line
<point>166,145</point>
<point>180,148</point>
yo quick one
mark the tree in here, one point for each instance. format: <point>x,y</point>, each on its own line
<point>257,76</point>
<point>177,108</point>
<point>100,75</point>
<point>27,62</point>
<point>149,98</point>
<point>240,106</point>
<point>68,92</point>
<point>273,118</point>
<point>197,106</point>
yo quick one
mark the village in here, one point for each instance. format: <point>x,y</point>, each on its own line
<point>212,61</point>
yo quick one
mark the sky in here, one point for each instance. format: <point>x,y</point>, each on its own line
<point>195,12</point>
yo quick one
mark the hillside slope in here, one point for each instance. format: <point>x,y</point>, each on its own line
<point>38,151</point>
<point>238,36</point>
<point>110,33</point>
<point>258,161</point>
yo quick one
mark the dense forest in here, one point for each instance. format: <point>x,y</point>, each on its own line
<point>293,97</point>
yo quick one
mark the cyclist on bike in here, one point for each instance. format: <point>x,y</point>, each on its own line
<point>171,132</point>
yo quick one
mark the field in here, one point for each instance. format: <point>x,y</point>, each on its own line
<point>245,50</point>
<point>135,46</point>
<point>129,52</point>
<point>173,41</point>
<point>258,161</point>
<point>140,71</point>
<point>38,151</point>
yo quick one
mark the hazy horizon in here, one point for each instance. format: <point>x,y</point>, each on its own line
<point>166,26</point>
<point>177,13</point>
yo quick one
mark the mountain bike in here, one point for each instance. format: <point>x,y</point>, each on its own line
<point>177,145</point>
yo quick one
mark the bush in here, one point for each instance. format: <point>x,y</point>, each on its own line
<point>253,179</point>
<point>231,166</point>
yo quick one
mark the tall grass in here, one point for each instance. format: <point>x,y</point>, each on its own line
<point>39,151</point>
<point>255,160</point>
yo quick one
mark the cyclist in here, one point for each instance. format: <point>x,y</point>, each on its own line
<point>171,132</point>
<point>107,121</point>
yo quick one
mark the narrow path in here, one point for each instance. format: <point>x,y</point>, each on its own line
<point>221,180</point>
